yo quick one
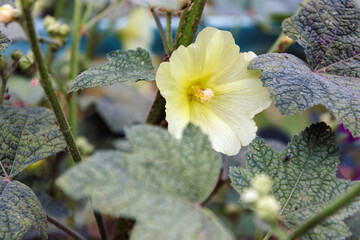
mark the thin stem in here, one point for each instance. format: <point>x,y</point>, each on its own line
<point>74,64</point>
<point>189,23</point>
<point>64,228</point>
<point>101,15</point>
<point>59,9</point>
<point>161,31</point>
<point>169,31</point>
<point>100,222</point>
<point>86,14</point>
<point>327,212</point>
<point>45,82</point>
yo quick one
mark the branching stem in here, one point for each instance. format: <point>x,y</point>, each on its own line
<point>161,31</point>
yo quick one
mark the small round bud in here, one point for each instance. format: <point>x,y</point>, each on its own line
<point>6,13</point>
<point>53,29</point>
<point>64,30</point>
<point>262,183</point>
<point>48,20</point>
<point>16,54</point>
<point>3,62</point>
<point>267,208</point>
<point>25,63</point>
<point>250,195</point>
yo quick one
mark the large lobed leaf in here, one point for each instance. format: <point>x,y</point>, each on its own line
<point>304,176</point>
<point>131,65</point>
<point>330,33</point>
<point>20,210</point>
<point>161,184</point>
<point>27,135</point>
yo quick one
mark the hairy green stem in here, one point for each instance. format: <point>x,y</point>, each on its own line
<point>327,212</point>
<point>169,31</point>
<point>189,23</point>
<point>161,31</point>
<point>45,80</point>
<point>64,228</point>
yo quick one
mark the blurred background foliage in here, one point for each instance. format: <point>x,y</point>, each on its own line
<point>105,112</point>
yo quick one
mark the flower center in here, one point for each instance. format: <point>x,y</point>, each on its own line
<point>200,95</point>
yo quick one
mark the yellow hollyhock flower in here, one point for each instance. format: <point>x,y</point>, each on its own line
<point>208,84</point>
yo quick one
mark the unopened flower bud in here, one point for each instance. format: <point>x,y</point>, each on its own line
<point>262,183</point>
<point>6,13</point>
<point>25,63</point>
<point>250,195</point>
<point>16,54</point>
<point>53,29</point>
<point>64,30</point>
<point>48,20</point>
<point>3,62</point>
<point>267,208</point>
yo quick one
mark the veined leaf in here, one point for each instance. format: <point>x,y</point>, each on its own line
<point>131,65</point>
<point>161,184</point>
<point>304,177</point>
<point>27,135</point>
<point>20,210</point>
<point>295,88</point>
<point>329,30</point>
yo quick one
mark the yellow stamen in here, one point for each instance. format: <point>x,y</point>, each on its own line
<point>200,95</point>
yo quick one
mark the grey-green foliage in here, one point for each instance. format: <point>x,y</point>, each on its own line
<point>304,179</point>
<point>295,88</point>
<point>20,210</point>
<point>161,184</point>
<point>27,135</point>
<point>329,30</point>
<point>131,65</point>
<point>4,42</point>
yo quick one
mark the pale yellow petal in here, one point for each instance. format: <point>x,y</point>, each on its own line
<point>220,133</point>
<point>246,96</point>
<point>167,84</point>
<point>177,115</point>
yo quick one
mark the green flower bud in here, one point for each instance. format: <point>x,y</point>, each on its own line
<point>64,30</point>
<point>25,63</point>
<point>262,183</point>
<point>53,29</point>
<point>267,208</point>
<point>3,62</point>
<point>16,54</point>
<point>48,20</point>
<point>249,196</point>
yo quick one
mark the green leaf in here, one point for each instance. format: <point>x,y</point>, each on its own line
<point>161,184</point>
<point>295,88</point>
<point>131,65</point>
<point>4,42</point>
<point>27,135</point>
<point>330,33</point>
<point>20,210</point>
<point>304,177</point>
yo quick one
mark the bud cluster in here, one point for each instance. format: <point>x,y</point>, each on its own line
<point>258,197</point>
<point>57,30</point>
